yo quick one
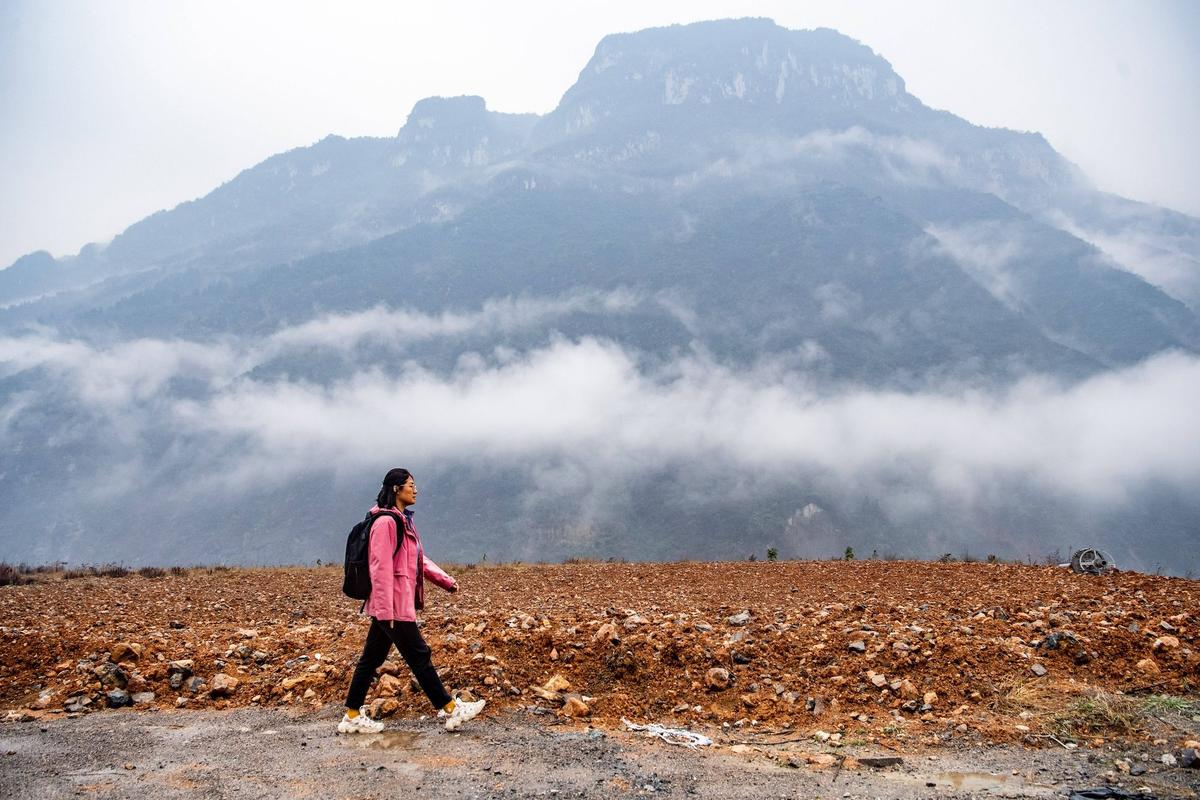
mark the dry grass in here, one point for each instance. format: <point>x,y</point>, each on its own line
<point>1103,713</point>
<point>93,571</point>
<point>1038,699</point>
<point>14,575</point>
<point>1072,711</point>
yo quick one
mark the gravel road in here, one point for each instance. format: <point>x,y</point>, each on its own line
<point>278,753</point>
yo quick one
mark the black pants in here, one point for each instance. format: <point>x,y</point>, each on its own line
<point>407,638</point>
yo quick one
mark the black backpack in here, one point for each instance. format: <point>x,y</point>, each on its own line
<point>356,582</point>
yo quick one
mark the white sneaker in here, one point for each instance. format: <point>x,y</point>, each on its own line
<point>360,724</point>
<point>463,711</point>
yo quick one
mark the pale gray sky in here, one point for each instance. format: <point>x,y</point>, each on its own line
<point>113,110</point>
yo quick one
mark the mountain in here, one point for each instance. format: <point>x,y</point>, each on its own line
<point>761,205</point>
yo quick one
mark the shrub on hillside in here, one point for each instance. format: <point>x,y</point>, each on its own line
<point>14,575</point>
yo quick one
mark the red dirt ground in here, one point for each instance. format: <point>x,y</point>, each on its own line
<point>971,633</point>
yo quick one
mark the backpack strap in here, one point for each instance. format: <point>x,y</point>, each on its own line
<point>399,526</point>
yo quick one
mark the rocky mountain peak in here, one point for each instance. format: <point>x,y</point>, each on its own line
<point>748,68</point>
<point>439,113</point>
<point>447,131</point>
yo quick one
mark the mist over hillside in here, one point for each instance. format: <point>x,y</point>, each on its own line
<point>739,290</point>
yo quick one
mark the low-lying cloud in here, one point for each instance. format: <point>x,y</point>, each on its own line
<point>603,410</point>
<point>400,328</point>
<point>902,159</point>
<point>1168,261</point>
<point>986,251</point>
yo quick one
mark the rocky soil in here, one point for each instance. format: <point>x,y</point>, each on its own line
<point>896,655</point>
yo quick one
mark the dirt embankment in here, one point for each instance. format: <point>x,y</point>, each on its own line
<point>895,653</point>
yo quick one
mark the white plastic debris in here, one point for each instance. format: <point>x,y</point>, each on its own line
<point>670,735</point>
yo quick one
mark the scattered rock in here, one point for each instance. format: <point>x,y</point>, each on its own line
<point>930,698</point>
<point>287,684</point>
<point>717,679</point>
<point>879,762</point>
<point>1057,640</point>
<point>1038,669</point>
<point>111,676</point>
<point>608,632</point>
<point>223,685</point>
<point>388,686</point>
<point>553,697</point>
<point>556,684</point>
<point>117,698</point>
<point>383,707</point>
<point>1148,666</point>
<point>818,760</point>
<point>575,707</point>
<point>797,644</point>
<point>125,651</point>
<point>74,705</point>
<point>1189,758</point>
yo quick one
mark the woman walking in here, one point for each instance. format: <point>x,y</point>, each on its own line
<point>398,567</point>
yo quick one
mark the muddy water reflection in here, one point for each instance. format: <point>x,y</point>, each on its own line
<point>986,783</point>
<point>388,740</point>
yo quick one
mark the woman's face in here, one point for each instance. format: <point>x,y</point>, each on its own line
<point>406,495</point>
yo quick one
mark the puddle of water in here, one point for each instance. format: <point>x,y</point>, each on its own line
<point>973,781</point>
<point>1001,784</point>
<point>388,740</point>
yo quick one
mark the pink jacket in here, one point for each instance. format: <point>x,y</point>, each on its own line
<point>396,581</point>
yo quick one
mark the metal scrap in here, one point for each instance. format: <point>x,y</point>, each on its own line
<point>1091,561</point>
